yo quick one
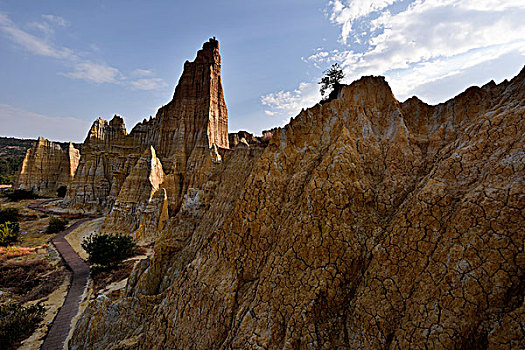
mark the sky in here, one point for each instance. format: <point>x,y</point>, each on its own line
<point>66,63</point>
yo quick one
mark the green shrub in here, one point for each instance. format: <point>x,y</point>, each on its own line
<point>6,179</point>
<point>61,191</point>
<point>108,250</point>
<point>17,195</point>
<point>56,225</point>
<point>18,322</point>
<point>8,233</point>
<point>9,214</point>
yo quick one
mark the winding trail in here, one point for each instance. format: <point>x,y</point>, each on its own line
<point>61,325</point>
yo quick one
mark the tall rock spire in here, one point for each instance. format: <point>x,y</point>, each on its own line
<point>197,115</point>
<point>183,132</point>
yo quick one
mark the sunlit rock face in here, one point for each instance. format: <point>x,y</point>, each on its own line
<point>47,166</point>
<point>186,136</point>
<point>103,165</point>
<point>365,223</point>
<point>138,192</point>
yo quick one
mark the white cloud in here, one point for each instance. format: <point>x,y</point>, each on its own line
<point>17,122</point>
<point>142,72</point>
<point>345,13</point>
<point>405,82</point>
<point>431,40</point>
<point>56,20</point>
<point>148,84</point>
<point>97,73</point>
<point>286,104</point>
<point>419,45</point>
<point>30,42</point>
<point>44,27</point>
<point>82,69</point>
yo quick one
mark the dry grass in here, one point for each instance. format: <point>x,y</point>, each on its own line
<point>30,270</point>
<point>32,224</point>
<point>33,271</point>
<point>102,278</point>
<point>28,280</point>
<point>10,252</point>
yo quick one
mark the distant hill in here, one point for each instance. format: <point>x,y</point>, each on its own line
<point>12,153</point>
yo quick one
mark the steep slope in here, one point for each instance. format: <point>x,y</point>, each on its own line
<point>137,193</point>
<point>365,223</point>
<point>186,135</point>
<point>103,166</point>
<point>46,167</point>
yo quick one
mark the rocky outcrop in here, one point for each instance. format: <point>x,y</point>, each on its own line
<point>243,137</point>
<point>103,166</point>
<point>136,194</point>
<point>186,135</point>
<point>365,223</point>
<point>47,166</point>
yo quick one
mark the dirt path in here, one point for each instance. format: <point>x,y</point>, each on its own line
<point>62,323</point>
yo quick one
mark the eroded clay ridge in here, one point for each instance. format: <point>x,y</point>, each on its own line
<point>140,179</point>
<point>46,167</point>
<point>365,223</point>
<point>184,137</point>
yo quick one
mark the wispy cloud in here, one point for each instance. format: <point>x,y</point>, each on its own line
<point>47,25</point>
<point>420,43</point>
<point>97,73</point>
<point>56,20</point>
<point>84,69</point>
<point>31,43</point>
<point>148,84</point>
<point>142,72</point>
<point>18,122</point>
<point>288,103</point>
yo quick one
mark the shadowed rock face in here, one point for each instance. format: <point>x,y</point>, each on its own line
<point>365,223</point>
<point>46,167</point>
<point>184,134</point>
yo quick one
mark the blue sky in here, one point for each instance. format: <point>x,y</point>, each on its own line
<point>65,63</point>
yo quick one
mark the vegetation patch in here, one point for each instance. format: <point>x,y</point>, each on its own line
<point>108,251</point>
<point>9,215</point>
<point>9,233</point>
<point>103,277</point>
<point>18,322</point>
<point>30,279</point>
<point>331,82</point>
<point>18,195</point>
<point>56,225</point>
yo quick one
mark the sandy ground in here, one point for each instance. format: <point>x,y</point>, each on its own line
<point>76,236</point>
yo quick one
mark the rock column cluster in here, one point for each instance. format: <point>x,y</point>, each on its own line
<point>47,166</point>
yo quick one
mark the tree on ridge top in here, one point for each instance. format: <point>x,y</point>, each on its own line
<point>332,79</point>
